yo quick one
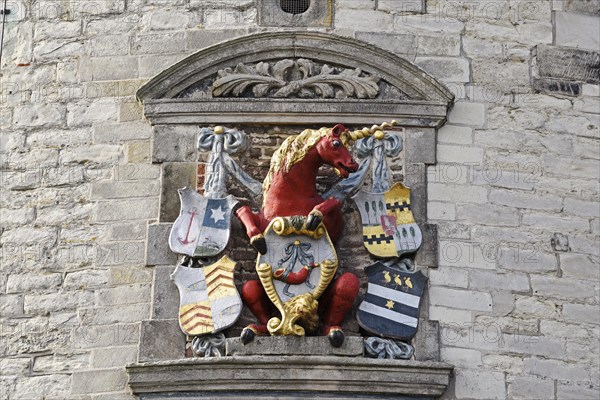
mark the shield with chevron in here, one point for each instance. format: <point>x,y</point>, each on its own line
<point>209,301</point>
<point>389,228</point>
<point>391,305</point>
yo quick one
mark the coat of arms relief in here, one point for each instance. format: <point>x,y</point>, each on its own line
<point>300,287</point>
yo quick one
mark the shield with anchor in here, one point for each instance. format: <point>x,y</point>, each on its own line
<point>389,228</point>
<point>392,302</point>
<point>203,226</point>
<point>209,301</point>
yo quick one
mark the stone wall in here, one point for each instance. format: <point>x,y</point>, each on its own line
<point>515,191</point>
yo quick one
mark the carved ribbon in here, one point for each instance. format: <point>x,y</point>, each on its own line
<point>221,142</point>
<point>379,149</point>
<point>370,148</point>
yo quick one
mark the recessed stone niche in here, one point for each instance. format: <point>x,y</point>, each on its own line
<point>184,98</point>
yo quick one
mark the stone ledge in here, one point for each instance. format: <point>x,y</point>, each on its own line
<point>294,111</point>
<point>314,376</point>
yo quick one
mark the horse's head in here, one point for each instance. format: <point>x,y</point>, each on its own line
<point>333,150</point>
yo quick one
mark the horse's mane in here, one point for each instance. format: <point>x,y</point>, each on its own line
<point>291,151</point>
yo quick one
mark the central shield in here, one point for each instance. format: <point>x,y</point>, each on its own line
<point>209,301</point>
<point>295,259</point>
<point>203,226</point>
<point>389,228</point>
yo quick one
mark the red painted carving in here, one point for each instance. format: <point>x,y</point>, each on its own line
<point>292,192</point>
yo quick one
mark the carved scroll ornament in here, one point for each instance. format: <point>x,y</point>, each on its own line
<point>300,78</point>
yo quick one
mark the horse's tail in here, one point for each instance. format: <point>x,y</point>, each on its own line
<point>366,132</point>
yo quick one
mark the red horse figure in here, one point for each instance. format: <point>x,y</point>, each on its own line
<point>290,190</point>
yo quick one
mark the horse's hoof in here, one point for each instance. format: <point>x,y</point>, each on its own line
<point>248,335</point>
<point>336,337</point>
<point>314,219</point>
<point>259,243</point>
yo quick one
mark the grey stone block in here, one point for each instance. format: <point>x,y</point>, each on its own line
<point>577,30</point>
<point>157,249</point>
<point>174,143</point>
<point>427,341</point>
<point>398,44</point>
<point>583,6</point>
<point>165,297</point>
<point>419,146</point>
<point>290,345</point>
<point>428,253</point>
<point>174,176</point>
<point>161,340</point>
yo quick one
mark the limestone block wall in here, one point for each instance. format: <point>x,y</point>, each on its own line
<point>515,191</point>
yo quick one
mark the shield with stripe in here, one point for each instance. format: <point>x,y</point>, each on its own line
<point>391,305</point>
<point>389,228</point>
<point>209,301</point>
<point>203,226</point>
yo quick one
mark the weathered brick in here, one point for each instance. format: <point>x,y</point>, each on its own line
<point>579,266</point>
<point>30,282</point>
<point>460,299</point>
<point>532,307</point>
<point>534,345</point>
<point>471,114</point>
<point>125,189</point>
<point>446,69</point>
<point>44,386</point>
<point>114,357</point>
<point>568,391</point>
<point>125,294</point>
<point>463,358</point>
<point>443,211</point>
<point>108,68</point>
<point>11,305</point>
<point>450,315</point>
<point>577,30</point>
<point>515,282</point>
<point>467,255</point>
<point>547,286</point>
<point>480,385</point>
<point>525,200</point>
<point>457,193</point>
<point>553,223</point>
<point>531,388</point>
<point>103,336</point>
<point>98,381</point>
<point>504,363</point>
<point>449,277</point>
<point>399,44</point>
<point>61,363</point>
<point>116,133</point>
<point>446,45</point>
<point>487,214</point>
<point>44,304</point>
<point>581,313</point>
<point>110,315</point>
<point>556,369</point>
<point>86,279</point>
<point>129,209</point>
<point>455,134</point>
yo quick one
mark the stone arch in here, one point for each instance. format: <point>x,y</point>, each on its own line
<point>183,93</point>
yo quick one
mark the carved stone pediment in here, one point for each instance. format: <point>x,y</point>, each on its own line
<point>300,78</point>
<point>309,77</point>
